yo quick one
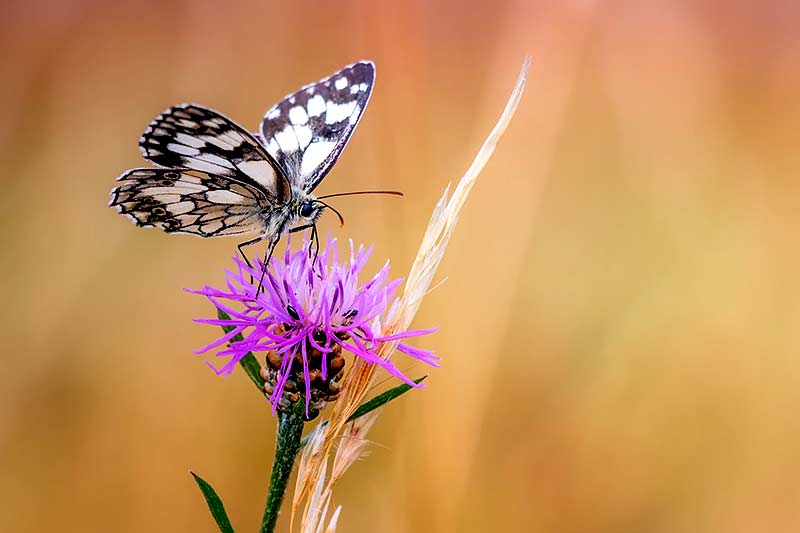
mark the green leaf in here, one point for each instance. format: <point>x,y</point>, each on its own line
<point>384,398</point>
<point>214,504</point>
<point>249,362</point>
<point>377,401</point>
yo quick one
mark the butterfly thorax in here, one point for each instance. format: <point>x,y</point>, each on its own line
<point>302,210</point>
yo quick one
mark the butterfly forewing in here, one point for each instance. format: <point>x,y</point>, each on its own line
<point>194,202</point>
<point>307,130</point>
<point>192,137</point>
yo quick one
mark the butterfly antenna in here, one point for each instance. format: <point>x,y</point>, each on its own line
<point>338,214</point>
<point>354,193</point>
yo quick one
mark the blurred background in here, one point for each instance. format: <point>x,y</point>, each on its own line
<point>620,321</point>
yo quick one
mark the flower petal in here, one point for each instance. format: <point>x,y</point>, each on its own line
<point>328,304</point>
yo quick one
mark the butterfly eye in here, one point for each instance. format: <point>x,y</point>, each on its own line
<point>307,210</point>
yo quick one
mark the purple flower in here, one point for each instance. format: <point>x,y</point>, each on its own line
<point>308,308</point>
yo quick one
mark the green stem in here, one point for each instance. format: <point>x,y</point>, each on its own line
<point>290,429</point>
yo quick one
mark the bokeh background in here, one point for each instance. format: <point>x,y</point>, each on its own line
<point>621,316</point>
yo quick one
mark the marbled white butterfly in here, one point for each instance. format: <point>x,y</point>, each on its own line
<point>216,179</point>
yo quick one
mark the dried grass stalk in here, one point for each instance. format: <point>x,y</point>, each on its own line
<point>355,386</point>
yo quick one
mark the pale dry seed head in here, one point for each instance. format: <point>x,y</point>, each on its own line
<point>357,382</point>
<point>349,450</point>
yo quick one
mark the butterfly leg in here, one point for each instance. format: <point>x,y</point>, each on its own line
<point>241,252</point>
<point>315,242</point>
<point>301,228</point>
<point>267,257</point>
<point>314,236</point>
<point>248,243</point>
<point>314,239</point>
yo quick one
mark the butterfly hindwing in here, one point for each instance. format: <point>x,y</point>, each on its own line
<point>194,202</point>
<point>192,137</point>
<point>307,130</point>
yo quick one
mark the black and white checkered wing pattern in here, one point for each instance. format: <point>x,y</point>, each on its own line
<point>194,202</point>
<point>192,137</point>
<point>307,130</point>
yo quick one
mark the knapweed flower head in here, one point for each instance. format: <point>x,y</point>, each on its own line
<point>308,310</point>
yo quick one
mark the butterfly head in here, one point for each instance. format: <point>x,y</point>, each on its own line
<point>306,210</point>
<point>311,209</point>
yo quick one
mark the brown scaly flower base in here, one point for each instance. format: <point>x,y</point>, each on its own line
<point>322,390</point>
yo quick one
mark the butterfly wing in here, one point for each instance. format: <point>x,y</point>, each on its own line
<point>307,130</point>
<point>194,202</point>
<point>192,137</point>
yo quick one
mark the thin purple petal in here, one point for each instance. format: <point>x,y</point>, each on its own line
<point>328,299</point>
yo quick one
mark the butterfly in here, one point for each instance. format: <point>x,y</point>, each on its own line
<point>213,178</point>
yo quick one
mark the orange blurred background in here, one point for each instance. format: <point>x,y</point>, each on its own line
<point>620,318</point>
